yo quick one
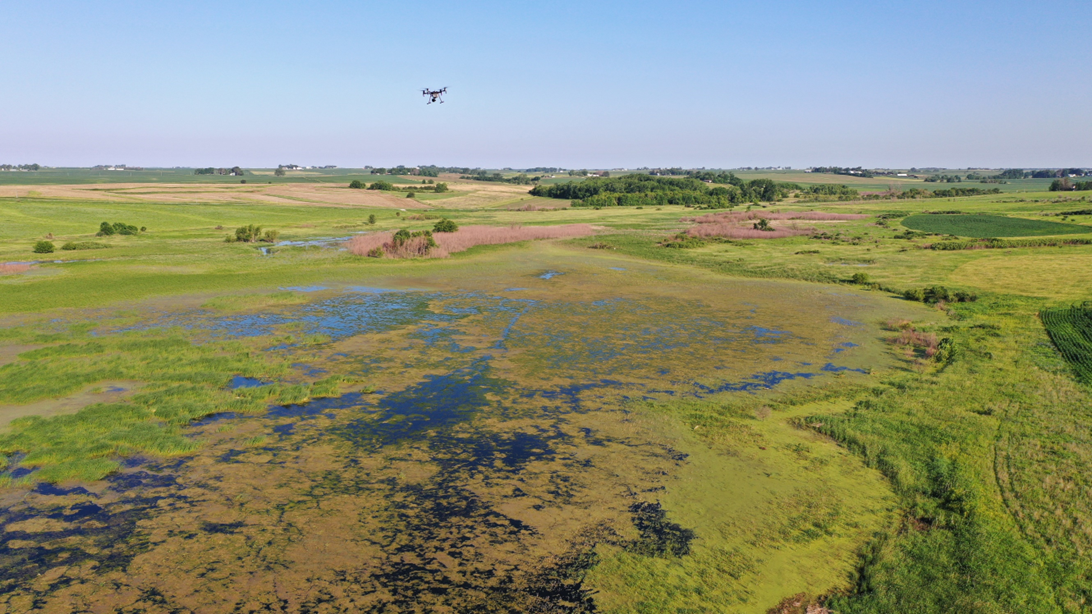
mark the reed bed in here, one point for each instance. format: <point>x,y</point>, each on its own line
<point>466,237</point>
<point>12,269</point>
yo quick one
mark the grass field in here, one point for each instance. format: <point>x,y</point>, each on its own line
<point>954,476</point>
<point>984,226</point>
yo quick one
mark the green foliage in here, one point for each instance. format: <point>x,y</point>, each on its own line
<point>1070,328</point>
<point>107,229</point>
<point>248,234</point>
<point>445,225</point>
<point>860,278</point>
<point>684,241</point>
<point>829,191</point>
<point>440,188</point>
<point>936,294</point>
<point>371,219</point>
<point>989,226</point>
<point>43,247</point>
<point>356,184</point>
<point>75,246</point>
<point>271,236</point>
<point>402,236</point>
<point>653,191</point>
<point>411,194</point>
<point>381,185</point>
<point>1006,243</point>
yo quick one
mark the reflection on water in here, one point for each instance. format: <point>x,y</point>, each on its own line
<point>500,455</point>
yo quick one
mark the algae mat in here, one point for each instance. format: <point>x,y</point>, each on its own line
<point>518,453</point>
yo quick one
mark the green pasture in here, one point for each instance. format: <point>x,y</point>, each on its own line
<point>983,226</point>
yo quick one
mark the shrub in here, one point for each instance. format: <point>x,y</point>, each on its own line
<point>445,225</point>
<point>937,294</point>
<point>248,234</point>
<point>440,187</point>
<point>411,194</point>
<point>381,185</point>
<point>107,229</point>
<point>356,184</point>
<point>270,236</point>
<point>375,252</point>
<point>914,294</point>
<point>371,219</point>
<point>43,247</point>
<point>860,278</point>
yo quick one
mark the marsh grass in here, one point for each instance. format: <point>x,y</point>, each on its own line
<point>183,382</point>
<point>255,301</point>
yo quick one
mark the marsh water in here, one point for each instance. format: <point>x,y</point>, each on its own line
<point>496,438</point>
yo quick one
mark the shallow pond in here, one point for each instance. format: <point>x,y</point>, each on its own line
<point>511,458</point>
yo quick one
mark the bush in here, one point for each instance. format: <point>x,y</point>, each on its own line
<point>445,225</point>
<point>43,247</point>
<point>937,294</point>
<point>371,219</point>
<point>248,234</point>
<point>440,187</point>
<point>411,194</point>
<point>375,252</point>
<point>860,278</point>
<point>107,229</point>
<point>381,185</point>
<point>356,184</point>
<point>270,236</point>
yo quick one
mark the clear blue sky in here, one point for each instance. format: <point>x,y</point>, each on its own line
<point>553,83</point>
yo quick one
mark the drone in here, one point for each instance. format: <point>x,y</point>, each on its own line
<point>434,95</point>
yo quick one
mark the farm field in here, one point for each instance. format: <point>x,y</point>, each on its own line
<point>984,226</point>
<point>602,423</point>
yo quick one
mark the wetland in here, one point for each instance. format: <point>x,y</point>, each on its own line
<point>504,441</point>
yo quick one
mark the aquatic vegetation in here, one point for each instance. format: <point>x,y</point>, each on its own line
<point>506,449</point>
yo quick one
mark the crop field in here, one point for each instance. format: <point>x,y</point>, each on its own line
<point>1070,329</point>
<point>640,418</point>
<point>985,226</point>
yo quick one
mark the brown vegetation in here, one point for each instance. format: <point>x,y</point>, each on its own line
<point>13,268</point>
<point>463,239</point>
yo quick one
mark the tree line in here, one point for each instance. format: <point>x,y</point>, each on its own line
<point>1065,185</point>
<point>234,171</point>
<point>648,190</point>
